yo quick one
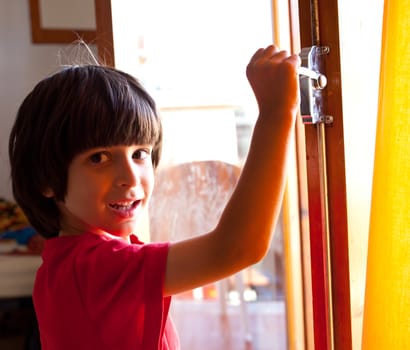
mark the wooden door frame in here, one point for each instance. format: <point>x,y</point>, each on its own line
<point>104,36</point>
<point>340,312</point>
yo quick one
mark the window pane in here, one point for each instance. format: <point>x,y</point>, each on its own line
<point>192,57</point>
<point>360,40</point>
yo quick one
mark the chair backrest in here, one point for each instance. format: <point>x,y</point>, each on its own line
<point>188,198</point>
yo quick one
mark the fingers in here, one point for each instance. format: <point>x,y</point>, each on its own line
<point>256,55</point>
<point>272,52</point>
<point>264,52</point>
<point>294,59</point>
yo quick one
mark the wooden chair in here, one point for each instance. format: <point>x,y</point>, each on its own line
<point>188,199</point>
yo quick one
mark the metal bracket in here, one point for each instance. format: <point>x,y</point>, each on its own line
<point>312,82</point>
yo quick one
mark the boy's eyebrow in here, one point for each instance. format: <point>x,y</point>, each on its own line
<point>101,148</point>
<point>144,145</point>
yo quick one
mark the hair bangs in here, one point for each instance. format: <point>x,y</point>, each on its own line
<point>115,110</point>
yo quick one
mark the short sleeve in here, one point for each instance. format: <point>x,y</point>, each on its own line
<point>123,285</point>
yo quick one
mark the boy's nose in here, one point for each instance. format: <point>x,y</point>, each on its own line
<point>128,175</point>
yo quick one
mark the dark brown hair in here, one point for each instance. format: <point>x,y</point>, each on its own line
<point>78,108</point>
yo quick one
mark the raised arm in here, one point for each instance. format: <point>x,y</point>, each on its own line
<point>243,234</point>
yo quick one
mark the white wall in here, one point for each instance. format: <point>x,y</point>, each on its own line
<point>22,65</point>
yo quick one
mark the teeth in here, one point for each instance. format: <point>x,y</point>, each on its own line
<point>122,206</point>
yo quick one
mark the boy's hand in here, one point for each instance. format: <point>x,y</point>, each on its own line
<point>273,76</point>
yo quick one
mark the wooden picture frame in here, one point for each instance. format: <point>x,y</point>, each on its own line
<point>41,34</point>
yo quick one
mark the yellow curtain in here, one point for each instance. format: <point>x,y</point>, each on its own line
<point>386,323</point>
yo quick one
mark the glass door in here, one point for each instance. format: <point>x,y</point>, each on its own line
<point>191,56</point>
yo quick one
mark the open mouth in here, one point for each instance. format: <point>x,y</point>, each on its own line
<point>124,207</point>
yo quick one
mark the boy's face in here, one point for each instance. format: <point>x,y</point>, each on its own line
<point>108,189</point>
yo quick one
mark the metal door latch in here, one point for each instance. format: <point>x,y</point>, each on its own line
<point>312,82</point>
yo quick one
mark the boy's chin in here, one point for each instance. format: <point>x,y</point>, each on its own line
<point>128,230</point>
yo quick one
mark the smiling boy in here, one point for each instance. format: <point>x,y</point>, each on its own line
<point>90,138</point>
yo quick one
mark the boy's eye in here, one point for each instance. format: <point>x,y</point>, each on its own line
<point>141,154</point>
<point>98,158</point>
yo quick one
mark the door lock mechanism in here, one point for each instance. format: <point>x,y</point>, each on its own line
<point>312,82</point>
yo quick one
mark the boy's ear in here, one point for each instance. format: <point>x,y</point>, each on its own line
<point>48,192</point>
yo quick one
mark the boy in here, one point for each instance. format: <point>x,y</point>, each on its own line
<point>90,138</point>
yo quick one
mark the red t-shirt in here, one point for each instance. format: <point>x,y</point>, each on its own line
<point>93,292</point>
